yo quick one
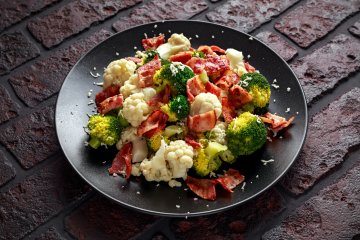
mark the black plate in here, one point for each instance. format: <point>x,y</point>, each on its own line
<point>72,109</point>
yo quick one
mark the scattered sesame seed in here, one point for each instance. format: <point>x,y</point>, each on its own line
<point>275,81</point>
<point>86,143</point>
<point>114,174</point>
<point>269,139</point>
<point>155,26</point>
<point>257,176</point>
<point>157,185</point>
<point>135,47</point>
<point>145,35</point>
<point>265,162</point>
<point>138,192</point>
<point>117,54</point>
<point>177,206</point>
<point>190,38</point>
<point>243,186</point>
<point>186,217</point>
<point>90,102</point>
<point>222,31</point>
<point>297,113</point>
<point>103,162</point>
<point>197,36</point>
<point>185,189</point>
<point>195,199</point>
<point>169,31</point>
<point>274,100</point>
<point>248,56</point>
<point>163,21</point>
<point>275,86</point>
<point>288,89</point>
<point>287,110</point>
<point>251,182</point>
<point>251,38</point>
<point>207,205</point>
<point>95,75</point>
<point>99,83</point>
<point>94,68</point>
<point>281,137</point>
<point>89,94</point>
<point>212,36</point>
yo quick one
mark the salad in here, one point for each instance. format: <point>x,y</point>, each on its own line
<point>180,114</point>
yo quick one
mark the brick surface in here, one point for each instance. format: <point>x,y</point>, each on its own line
<point>8,108</point>
<point>38,198</point>
<point>279,45</point>
<point>161,10</point>
<point>333,214</point>
<point>15,49</point>
<point>32,138</point>
<point>231,224</point>
<point>315,19</point>
<point>44,78</point>
<point>321,70</point>
<point>6,169</point>
<point>73,18</point>
<point>50,234</point>
<point>102,219</point>
<point>248,14</point>
<point>16,10</point>
<point>355,29</point>
<point>331,134</point>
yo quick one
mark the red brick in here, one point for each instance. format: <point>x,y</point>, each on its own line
<point>16,10</point>
<point>315,19</point>
<point>44,78</point>
<point>8,108</point>
<point>355,29</point>
<point>279,45</point>
<point>73,18</point>
<point>161,10</point>
<point>332,214</point>
<point>50,234</point>
<point>232,224</point>
<point>15,49</point>
<point>32,138</point>
<point>248,14</point>
<point>331,135</point>
<point>38,198</point>
<point>100,218</point>
<point>6,169</point>
<point>322,69</point>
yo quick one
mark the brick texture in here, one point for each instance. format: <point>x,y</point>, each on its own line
<point>16,10</point>
<point>315,19</point>
<point>331,134</point>
<point>248,14</point>
<point>15,49</point>
<point>32,138</point>
<point>6,169</point>
<point>8,108</point>
<point>161,10</point>
<point>355,29</point>
<point>231,224</point>
<point>333,214</point>
<point>50,234</point>
<point>44,78</point>
<point>101,219</point>
<point>279,45</point>
<point>321,70</point>
<point>73,18</point>
<point>38,198</point>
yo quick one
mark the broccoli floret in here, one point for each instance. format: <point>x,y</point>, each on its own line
<point>259,88</point>
<point>174,74</point>
<point>149,55</point>
<point>198,54</point>
<point>207,159</point>
<point>245,134</point>
<point>180,106</point>
<point>227,156</point>
<point>155,141</point>
<point>166,109</point>
<point>123,122</point>
<point>103,130</point>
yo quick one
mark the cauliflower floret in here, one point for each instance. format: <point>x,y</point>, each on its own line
<point>176,43</point>
<point>148,92</point>
<point>236,59</point>
<point>118,71</point>
<point>205,102</point>
<point>217,134</point>
<point>139,150</point>
<point>135,109</point>
<point>130,86</point>
<point>170,162</point>
<point>135,169</point>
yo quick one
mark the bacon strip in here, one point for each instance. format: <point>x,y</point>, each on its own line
<point>182,57</point>
<point>106,93</point>
<point>160,98</point>
<point>211,88</point>
<point>122,162</point>
<point>207,50</point>
<point>217,50</point>
<point>228,112</point>
<point>202,122</point>
<point>204,188</point>
<point>155,121</point>
<point>192,142</point>
<point>110,103</point>
<point>194,87</point>
<point>147,71</point>
<point>230,180</point>
<point>153,43</point>
<point>196,64</point>
<point>216,65</point>
<point>276,122</point>
<point>228,79</point>
<point>134,59</point>
<point>249,68</point>
<point>239,96</point>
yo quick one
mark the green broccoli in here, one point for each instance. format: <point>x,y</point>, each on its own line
<point>103,130</point>
<point>227,156</point>
<point>180,106</point>
<point>259,88</point>
<point>207,159</point>
<point>123,122</point>
<point>174,74</point>
<point>198,54</point>
<point>149,55</point>
<point>245,134</point>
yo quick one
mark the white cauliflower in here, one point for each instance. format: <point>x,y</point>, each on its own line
<point>135,109</point>
<point>148,92</point>
<point>170,162</point>
<point>135,169</point>
<point>139,146</point>
<point>236,60</point>
<point>205,102</point>
<point>176,43</point>
<point>218,134</point>
<point>130,86</point>
<point>118,71</point>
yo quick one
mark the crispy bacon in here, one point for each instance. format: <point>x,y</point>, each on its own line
<point>155,121</point>
<point>106,93</point>
<point>230,180</point>
<point>206,50</point>
<point>182,57</point>
<point>160,98</point>
<point>147,71</point>
<point>194,87</point>
<point>202,122</point>
<point>276,122</point>
<point>204,188</point>
<point>122,162</point>
<point>217,50</point>
<point>134,59</point>
<point>239,96</point>
<point>110,103</point>
<point>216,65</point>
<point>153,43</point>
<point>228,79</point>
<point>249,68</point>
<point>196,64</point>
<point>190,140</point>
<point>227,110</point>
<point>211,88</point>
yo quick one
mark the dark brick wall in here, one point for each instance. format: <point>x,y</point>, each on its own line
<point>42,197</point>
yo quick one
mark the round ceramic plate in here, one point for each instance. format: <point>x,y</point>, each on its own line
<point>72,112</point>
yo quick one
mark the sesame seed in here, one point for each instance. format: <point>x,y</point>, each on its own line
<point>169,31</point>
<point>94,68</point>
<point>197,36</point>
<point>275,81</point>
<point>274,100</point>
<point>287,110</point>
<point>288,89</point>
<point>135,47</point>
<point>265,162</point>
<point>212,36</point>
<point>95,75</point>
<point>275,86</point>
<point>207,205</point>
<point>117,54</point>
<point>297,113</point>
<point>222,31</point>
<point>195,199</point>
<point>155,26</point>
<point>257,176</point>
<point>138,192</point>
<point>243,186</point>
<point>177,206</point>
<point>145,35</point>
<point>251,38</point>
<point>248,56</point>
